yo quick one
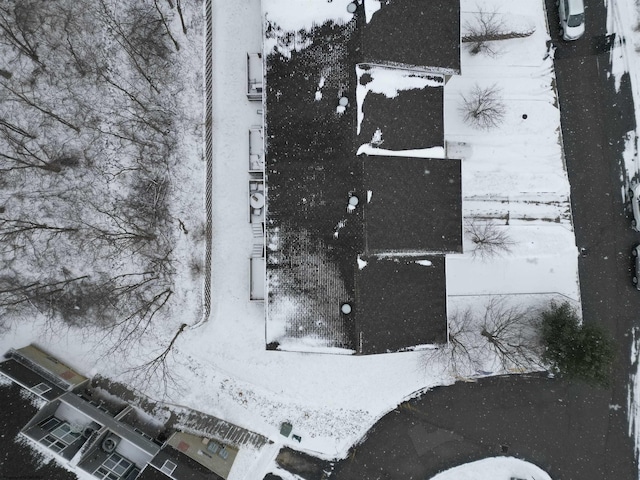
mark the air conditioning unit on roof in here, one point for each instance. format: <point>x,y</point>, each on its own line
<point>110,443</point>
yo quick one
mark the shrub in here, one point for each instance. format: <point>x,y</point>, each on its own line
<point>582,352</point>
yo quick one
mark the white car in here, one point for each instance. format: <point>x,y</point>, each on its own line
<point>634,197</point>
<point>571,18</point>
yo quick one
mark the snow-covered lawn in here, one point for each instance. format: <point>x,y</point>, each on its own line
<point>513,174</point>
<point>623,20</point>
<point>496,468</point>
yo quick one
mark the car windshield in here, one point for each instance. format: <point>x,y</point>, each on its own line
<point>575,20</point>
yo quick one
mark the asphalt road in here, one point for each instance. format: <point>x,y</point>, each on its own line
<point>571,430</point>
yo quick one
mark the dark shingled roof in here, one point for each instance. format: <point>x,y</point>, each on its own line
<point>311,170</point>
<point>186,468</point>
<point>414,206</point>
<point>400,303</point>
<point>413,119</point>
<point>421,33</point>
<point>28,378</point>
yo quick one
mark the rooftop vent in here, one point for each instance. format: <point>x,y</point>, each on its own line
<point>110,443</point>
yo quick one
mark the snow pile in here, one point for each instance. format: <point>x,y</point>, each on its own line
<point>622,19</point>
<point>496,468</point>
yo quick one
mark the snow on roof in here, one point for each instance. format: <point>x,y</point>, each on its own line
<point>432,152</point>
<point>400,303</point>
<point>399,110</point>
<point>287,22</point>
<point>371,7</point>
<point>315,109</point>
<point>295,15</point>
<point>389,82</point>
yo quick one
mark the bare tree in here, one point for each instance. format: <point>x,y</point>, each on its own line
<point>17,27</point>
<point>483,107</point>
<point>488,238</point>
<point>501,333</point>
<point>179,6</point>
<point>513,335</point>
<point>484,27</point>
<point>45,294</point>
<point>460,354</point>
<point>489,26</point>
<point>32,102</point>
<point>157,370</point>
<point>24,151</point>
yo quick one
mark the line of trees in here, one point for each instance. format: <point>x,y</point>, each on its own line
<point>505,337</point>
<point>89,149</point>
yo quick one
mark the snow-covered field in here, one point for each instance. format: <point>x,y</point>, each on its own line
<point>513,174</point>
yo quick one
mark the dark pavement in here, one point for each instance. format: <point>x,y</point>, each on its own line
<point>571,430</point>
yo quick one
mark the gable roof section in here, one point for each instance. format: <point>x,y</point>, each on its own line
<point>400,110</point>
<point>400,302</point>
<point>424,34</point>
<point>29,366</point>
<point>29,379</point>
<point>185,467</point>
<point>412,205</point>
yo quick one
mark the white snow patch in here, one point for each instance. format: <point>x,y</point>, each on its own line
<point>376,139</point>
<point>426,263</point>
<point>495,468</point>
<point>305,14</point>
<point>370,8</point>
<point>433,152</point>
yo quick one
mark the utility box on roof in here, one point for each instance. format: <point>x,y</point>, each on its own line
<point>285,429</point>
